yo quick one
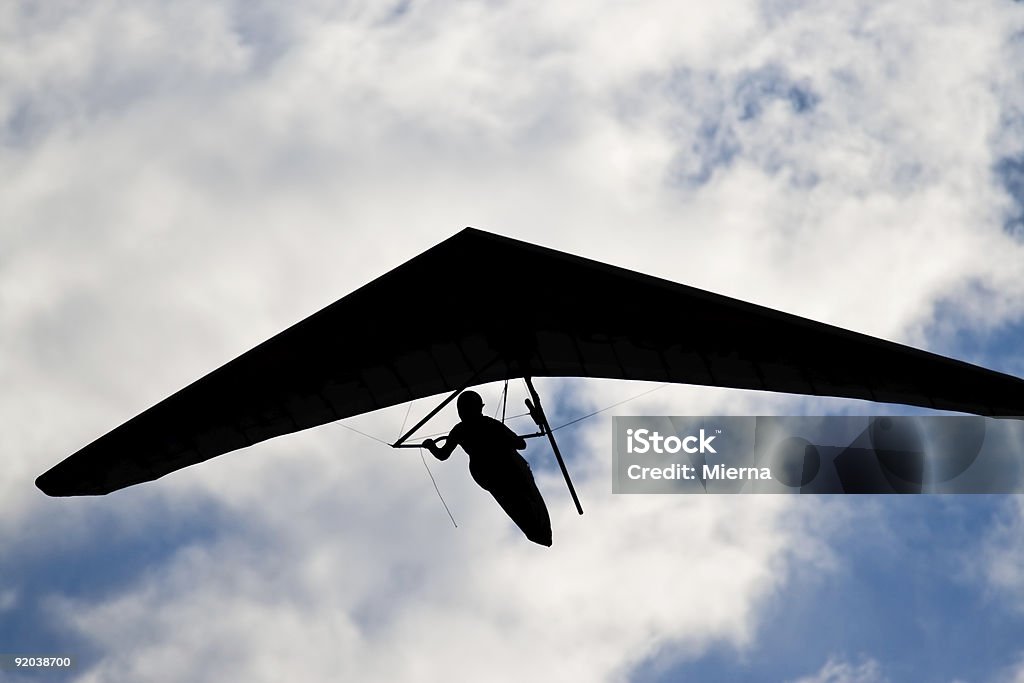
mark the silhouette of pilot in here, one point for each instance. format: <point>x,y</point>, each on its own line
<point>496,466</point>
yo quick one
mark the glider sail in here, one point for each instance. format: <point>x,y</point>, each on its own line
<point>348,359</point>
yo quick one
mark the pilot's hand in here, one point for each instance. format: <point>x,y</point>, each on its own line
<point>429,444</point>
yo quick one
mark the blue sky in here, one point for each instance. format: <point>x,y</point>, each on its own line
<point>183,180</point>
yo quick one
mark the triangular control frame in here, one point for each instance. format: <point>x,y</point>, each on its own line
<point>536,409</point>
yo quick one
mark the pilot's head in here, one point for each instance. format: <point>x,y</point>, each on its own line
<point>469,404</point>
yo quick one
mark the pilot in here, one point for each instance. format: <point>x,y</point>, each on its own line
<point>496,466</point>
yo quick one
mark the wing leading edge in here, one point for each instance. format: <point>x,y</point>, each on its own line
<point>580,318</point>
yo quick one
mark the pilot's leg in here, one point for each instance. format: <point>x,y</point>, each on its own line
<point>517,494</point>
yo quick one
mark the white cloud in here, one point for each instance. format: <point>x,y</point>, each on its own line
<point>838,671</point>
<point>998,560</point>
<point>8,599</point>
<point>1012,674</point>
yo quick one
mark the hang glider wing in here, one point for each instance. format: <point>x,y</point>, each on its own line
<point>478,308</point>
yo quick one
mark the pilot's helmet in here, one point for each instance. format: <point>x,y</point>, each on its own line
<point>469,404</point>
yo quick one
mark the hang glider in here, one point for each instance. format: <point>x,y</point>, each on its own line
<point>582,318</point>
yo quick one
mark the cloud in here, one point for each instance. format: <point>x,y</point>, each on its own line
<point>869,670</point>
<point>998,560</point>
<point>1011,674</point>
<point>8,599</point>
<point>837,671</point>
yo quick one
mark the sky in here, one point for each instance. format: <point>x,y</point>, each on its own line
<point>180,181</point>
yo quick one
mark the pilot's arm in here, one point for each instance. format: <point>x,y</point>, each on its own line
<point>442,452</point>
<point>516,441</point>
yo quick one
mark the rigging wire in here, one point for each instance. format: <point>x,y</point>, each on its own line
<point>631,398</point>
<point>422,458</point>
<point>427,467</point>
<point>368,436</point>
<point>503,401</point>
<point>431,475</point>
<point>405,419</point>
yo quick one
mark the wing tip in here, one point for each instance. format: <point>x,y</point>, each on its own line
<point>45,483</point>
<point>57,484</point>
